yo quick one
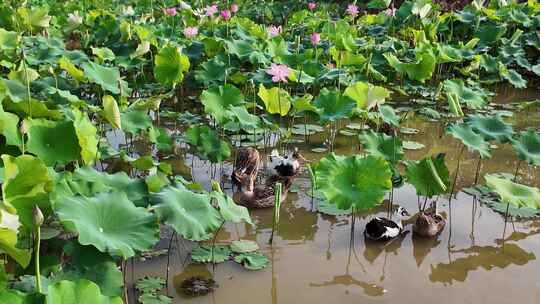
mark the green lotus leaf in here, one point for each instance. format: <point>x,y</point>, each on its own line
<point>229,210</point>
<point>513,193</point>
<point>366,95</point>
<point>355,181</point>
<point>527,147</point>
<point>107,78</point>
<point>189,214</point>
<point>208,143</point>
<point>474,99</point>
<point>150,284</point>
<point>325,207</point>
<point>244,118</point>
<point>161,138</point>
<point>332,105</point>
<point>429,176</point>
<point>8,40</point>
<point>53,141</point>
<point>212,70</point>
<point>303,104</point>
<point>388,115</point>
<point>519,212</point>
<point>276,100</point>
<point>243,246</point>
<point>16,297</point>
<point>72,70</point>
<point>381,145</point>
<point>217,100</point>
<point>489,33</point>
<point>86,262</point>
<point>111,112</point>
<point>86,136</point>
<point>9,128</point>
<point>35,18</point>
<point>170,65</point>
<point>14,89</point>
<point>151,298</point>
<point>26,183</point>
<point>413,145</point>
<point>491,127</point>
<point>135,121</point>
<point>252,260</point>
<point>209,254</point>
<point>80,292</point>
<point>473,141</point>
<point>96,219</point>
<point>9,225</point>
<point>103,53</point>
<point>421,70</point>
<point>512,76</point>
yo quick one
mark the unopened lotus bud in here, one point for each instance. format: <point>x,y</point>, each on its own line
<point>24,127</point>
<point>37,216</point>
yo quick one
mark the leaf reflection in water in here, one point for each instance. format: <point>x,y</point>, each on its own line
<point>347,280</point>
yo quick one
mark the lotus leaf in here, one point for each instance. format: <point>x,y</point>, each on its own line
<point>355,181</point>
<point>429,176</point>
<point>9,128</point>
<point>150,284</point>
<point>107,78</point>
<point>470,139</point>
<point>527,147</point>
<point>96,219</point>
<point>208,143</point>
<point>243,246</point>
<point>276,100</point>
<point>332,105</point>
<point>9,225</point>
<point>218,100</point>
<point>86,136</point>
<point>111,112</point>
<point>80,292</point>
<point>366,95</point>
<point>252,261</point>
<point>513,193</point>
<point>413,145</point>
<point>189,214</point>
<point>170,65</point>
<point>211,254</point>
<point>53,141</point>
<point>512,76</point>
<point>475,99</point>
<point>135,121</point>
<point>491,127</point>
<point>229,210</point>
<point>421,70</point>
<point>382,145</point>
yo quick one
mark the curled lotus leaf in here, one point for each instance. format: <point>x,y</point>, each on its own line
<point>514,193</point>
<point>429,176</point>
<point>252,260</point>
<point>527,147</point>
<point>472,140</point>
<point>491,127</point>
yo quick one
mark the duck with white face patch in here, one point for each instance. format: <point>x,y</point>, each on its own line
<point>285,165</point>
<point>383,229</point>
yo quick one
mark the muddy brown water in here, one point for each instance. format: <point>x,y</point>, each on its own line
<point>312,260</point>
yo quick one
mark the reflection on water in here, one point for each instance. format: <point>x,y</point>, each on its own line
<point>312,260</point>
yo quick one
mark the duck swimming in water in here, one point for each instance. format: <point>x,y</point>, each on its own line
<point>383,229</point>
<point>263,196</point>
<point>286,165</point>
<point>245,169</point>
<point>429,224</point>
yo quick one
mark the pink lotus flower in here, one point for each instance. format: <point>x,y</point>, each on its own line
<point>211,10</point>
<point>273,31</point>
<point>226,14</point>
<point>191,31</point>
<point>311,6</point>
<point>390,12</point>
<point>171,11</point>
<point>315,38</point>
<point>352,10</point>
<point>234,7</point>
<point>279,72</point>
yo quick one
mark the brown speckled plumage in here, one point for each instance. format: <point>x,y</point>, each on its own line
<point>246,166</point>
<point>428,224</point>
<point>263,196</point>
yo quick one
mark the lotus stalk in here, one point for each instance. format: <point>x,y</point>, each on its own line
<point>38,221</point>
<point>277,206</point>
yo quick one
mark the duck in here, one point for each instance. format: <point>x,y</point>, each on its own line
<point>428,224</point>
<point>263,196</point>
<point>245,168</point>
<point>383,229</point>
<point>285,165</point>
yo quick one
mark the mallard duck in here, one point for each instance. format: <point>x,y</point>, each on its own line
<point>428,224</point>
<point>263,196</point>
<point>246,166</point>
<point>286,165</point>
<point>382,229</point>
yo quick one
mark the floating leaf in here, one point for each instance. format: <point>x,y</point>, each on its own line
<point>355,181</point>
<point>94,218</point>
<point>252,261</point>
<point>209,254</point>
<point>150,284</point>
<point>413,145</point>
<point>527,147</point>
<point>243,246</point>
<point>513,193</point>
<point>189,214</point>
<point>470,139</point>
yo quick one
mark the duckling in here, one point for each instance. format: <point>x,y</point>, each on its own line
<point>263,196</point>
<point>246,166</point>
<point>429,224</point>
<point>383,229</point>
<point>287,165</point>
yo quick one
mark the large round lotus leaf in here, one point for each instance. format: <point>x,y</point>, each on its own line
<point>366,95</point>
<point>355,181</point>
<point>252,260</point>
<point>135,121</point>
<point>9,127</point>
<point>332,105</point>
<point>429,176</point>
<point>150,284</point>
<point>169,65</point>
<point>108,221</point>
<point>80,292</point>
<point>470,139</point>
<point>491,127</point>
<point>106,77</point>
<point>474,98</point>
<point>208,143</point>
<point>26,183</point>
<point>217,100</point>
<point>54,142</point>
<point>382,145</point>
<point>512,193</point>
<point>388,115</point>
<point>242,246</point>
<point>421,70</point>
<point>209,254</point>
<point>276,100</point>
<point>527,147</point>
<point>229,210</point>
<point>189,214</point>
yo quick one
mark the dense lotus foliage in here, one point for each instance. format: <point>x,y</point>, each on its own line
<point>97,97</point>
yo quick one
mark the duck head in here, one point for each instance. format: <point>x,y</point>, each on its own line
<point>285,165</point>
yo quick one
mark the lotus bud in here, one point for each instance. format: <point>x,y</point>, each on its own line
<point>37,216</point>
<point>24,127</point>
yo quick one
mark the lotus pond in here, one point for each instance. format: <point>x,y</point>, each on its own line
<point>122,121</point>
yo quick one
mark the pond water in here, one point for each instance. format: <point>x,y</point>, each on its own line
<point>476,259</point>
